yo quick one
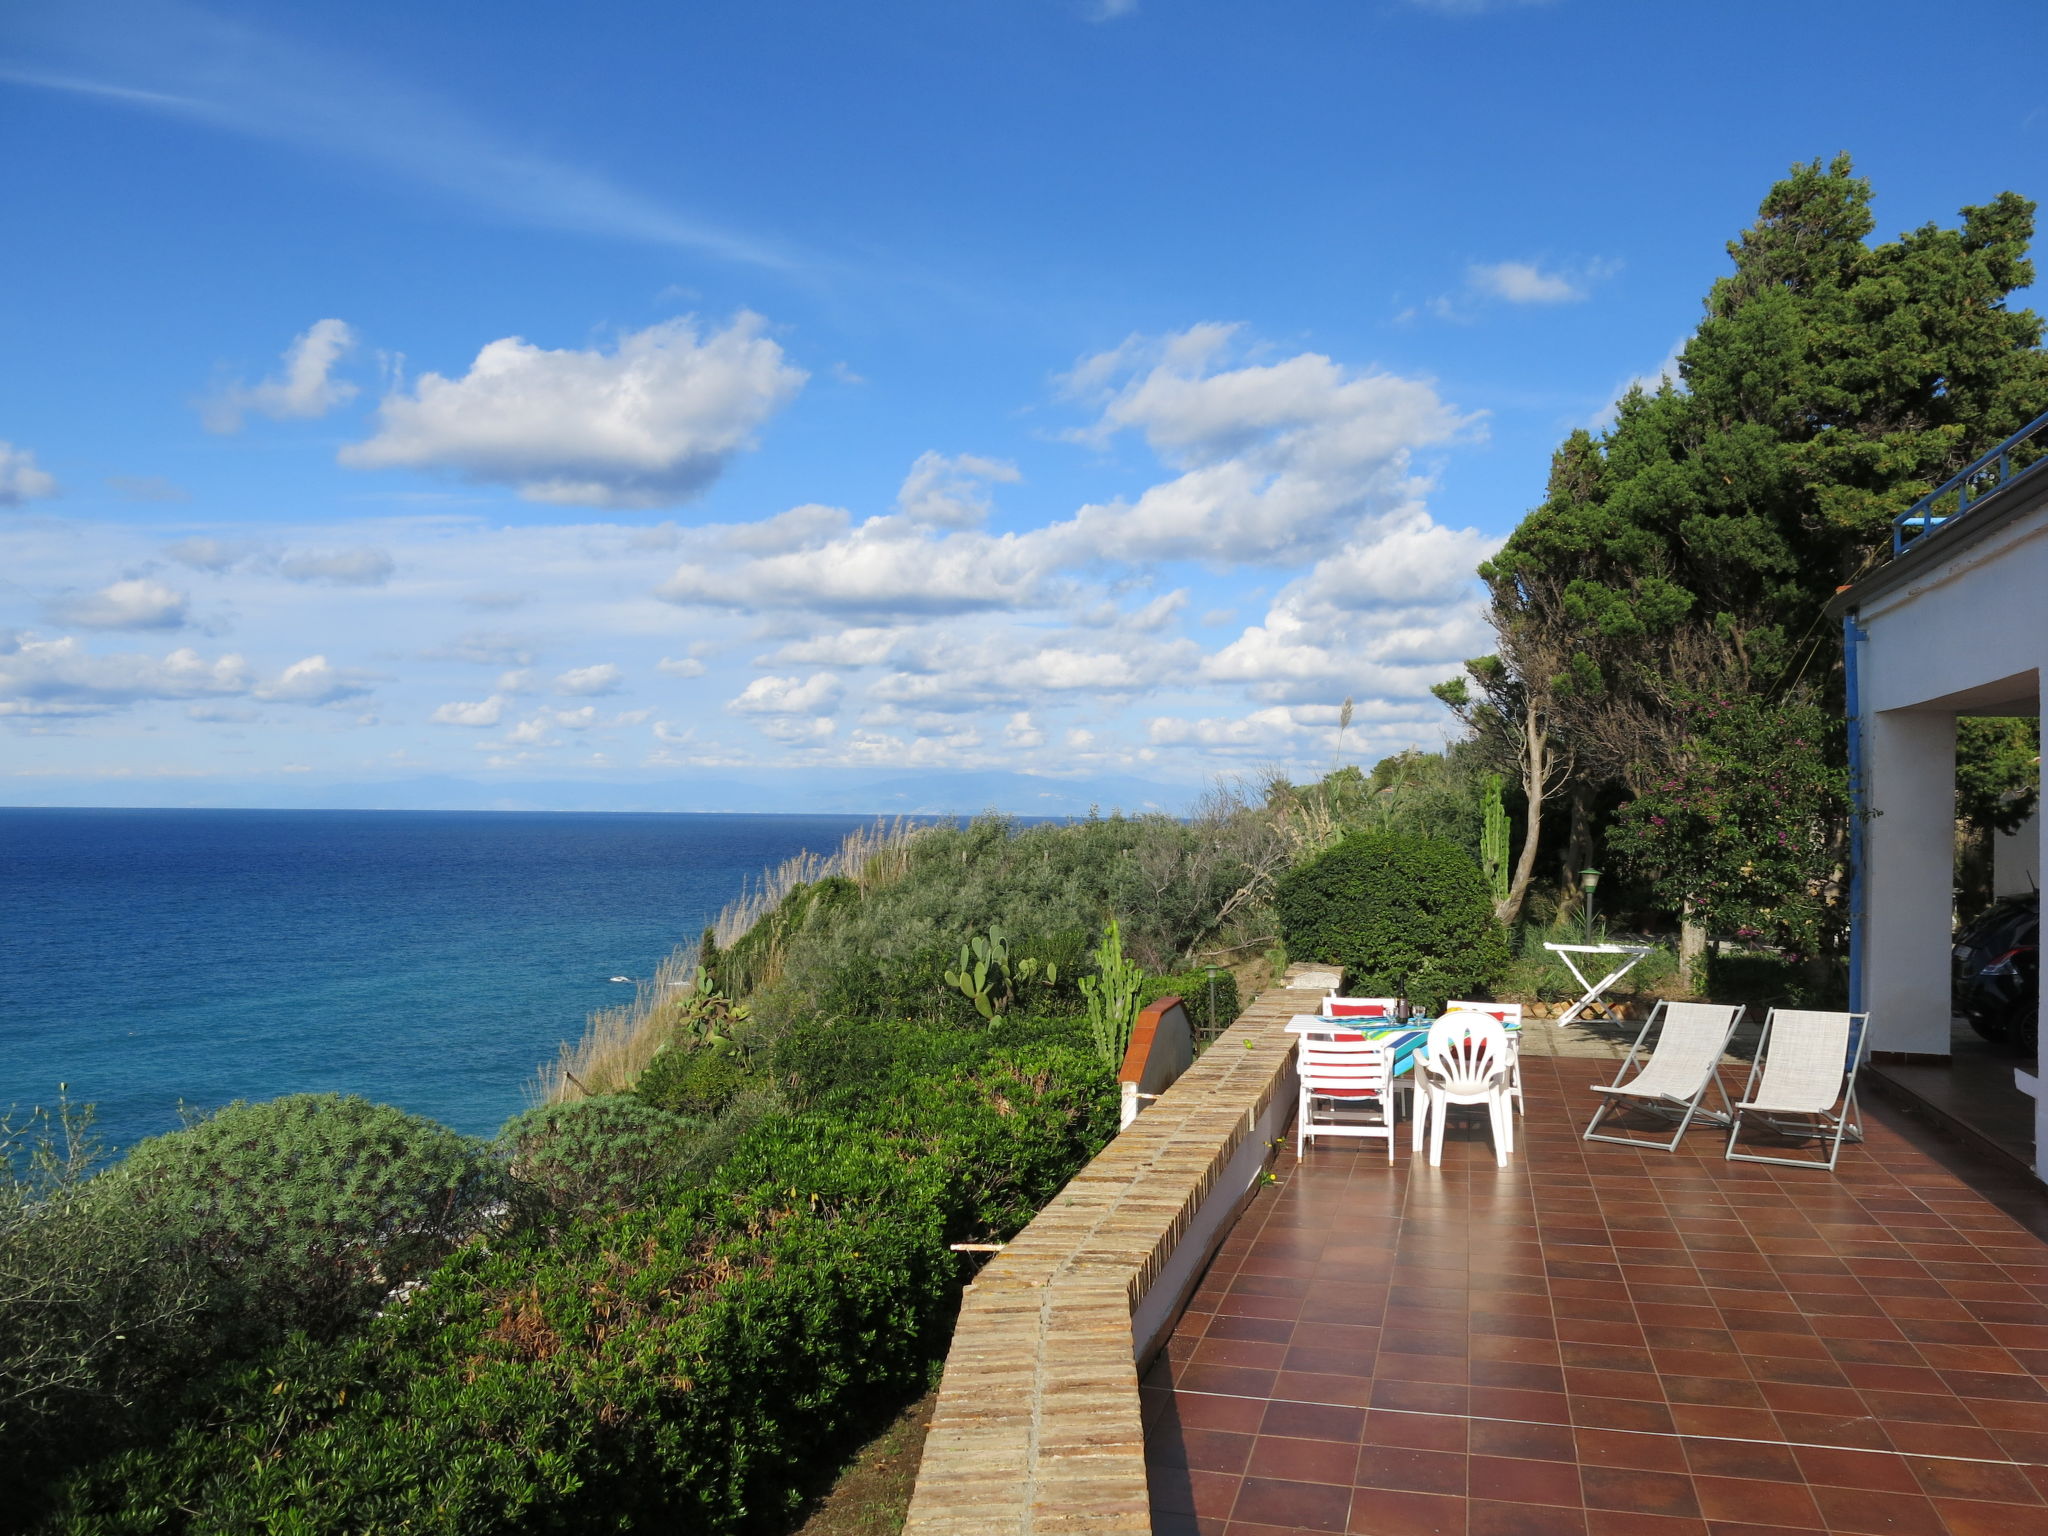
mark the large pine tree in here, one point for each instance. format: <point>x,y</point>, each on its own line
<point>1679,562</point>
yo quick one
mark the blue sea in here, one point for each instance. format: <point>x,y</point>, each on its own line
<point>432,960</point>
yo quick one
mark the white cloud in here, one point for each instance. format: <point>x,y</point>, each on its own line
<point>950,493</point>
<point>315,681</point>
<point>1022,732</point>
<point>805,527</point>
<point>21,481</point>
<point>680,666</point>
<point>857,647</point>
<point>477,713</point>
<point>519,680</point>
<point>885,567</point>
<point>648,424</point>
<point>1521,282</point>
<point>306,387</point>
<point>207,554</point>
<point>363,567</point>
<point>817,694</point>
<point>138,603</point>
<point>1277,459</point>
<point>589,681</point>
<point>61,677</point>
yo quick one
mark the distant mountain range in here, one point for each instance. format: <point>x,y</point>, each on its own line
<point>858,792</point>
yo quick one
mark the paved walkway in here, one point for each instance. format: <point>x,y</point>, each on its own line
<point>1595,1341</point>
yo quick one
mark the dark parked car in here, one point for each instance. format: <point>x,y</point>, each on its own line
<point>1998,971</point>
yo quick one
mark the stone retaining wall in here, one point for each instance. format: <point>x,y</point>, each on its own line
<point>1037,1427</point>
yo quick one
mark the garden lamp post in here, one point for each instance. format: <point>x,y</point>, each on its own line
<point>1589,880</point>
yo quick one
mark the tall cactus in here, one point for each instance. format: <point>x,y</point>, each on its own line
<point>1493,838</point>
<point>1111,996</point>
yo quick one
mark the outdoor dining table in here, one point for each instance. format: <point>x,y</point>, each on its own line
<point>1405,1037</point>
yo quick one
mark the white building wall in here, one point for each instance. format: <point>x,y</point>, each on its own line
<point>1968,636</point>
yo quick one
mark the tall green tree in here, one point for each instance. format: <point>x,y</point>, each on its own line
<point>1686,552</point>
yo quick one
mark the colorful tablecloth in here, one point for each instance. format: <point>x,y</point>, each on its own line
<point>1406,1039</point>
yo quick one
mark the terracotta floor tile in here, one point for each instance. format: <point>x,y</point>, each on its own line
<point>1517,1481</point>
<point>1649,1493</point>
<point>1302,1461</point>
<point>1595,1341</point>
<point>1973,1518</point>
<point>1411,1471</point>
<point>1385,1512</point>
<point>1417,1431</point>
<point>1295,1506</point>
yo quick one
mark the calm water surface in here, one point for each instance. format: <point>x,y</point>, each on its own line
<point>426,959</point>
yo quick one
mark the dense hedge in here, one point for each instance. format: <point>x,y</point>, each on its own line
<point>1404,916</point>
<point>1210,998</point>
<point>694,1367</point>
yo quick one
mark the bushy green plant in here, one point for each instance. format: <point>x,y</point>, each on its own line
<point>615,1152</point>
<point>1404,916</point>
<point>1210,997</point>
<point>99,1316</point>
<point>691,1082</point>
<point>309,1208</point>
<point>691,1367</point>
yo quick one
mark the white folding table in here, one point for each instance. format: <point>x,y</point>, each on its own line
<point>1632,956</point>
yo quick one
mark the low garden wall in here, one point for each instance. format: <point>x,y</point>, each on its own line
<point>1037,1426</point>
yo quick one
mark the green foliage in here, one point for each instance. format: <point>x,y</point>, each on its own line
<point>692,1367</point>
<point>1687,552</point>
<point>691,1082</point>
<point>1110,997</point>
<point>307,1209</point>
<point>1493,838</point>
<point>1210,997</point>
<point>991,979</point>
<point>98,1317</point>
<point>1405,916</point>
<point>1749,825</point>
<point>616,1152</point>
<point>885,953</point>
<point>1998,772</point>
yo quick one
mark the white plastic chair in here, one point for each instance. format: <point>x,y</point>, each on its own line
<point>1346,1090</point>
<point>1465,1062</point>
<point>1808,1065</point>
<point>1510,1016</point>
<point>1676,1076</point>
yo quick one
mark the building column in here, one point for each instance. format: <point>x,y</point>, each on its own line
<point>1909,898</point>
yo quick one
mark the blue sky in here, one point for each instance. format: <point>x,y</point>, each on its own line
<point>636,393</point>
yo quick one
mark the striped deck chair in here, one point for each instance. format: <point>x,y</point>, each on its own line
<point>1808,1065</point>
<point>1676,1075</point>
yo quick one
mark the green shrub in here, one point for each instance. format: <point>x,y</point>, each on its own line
<point>1210,997</point>
<point>308,1209</point>
<point>613,1152</point>
<point>100,1318</point>
<point>695,1367</point>
<point>1407,916</point>
<point>691,1082</point>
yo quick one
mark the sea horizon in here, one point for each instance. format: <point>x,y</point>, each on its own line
<point>163,961</point>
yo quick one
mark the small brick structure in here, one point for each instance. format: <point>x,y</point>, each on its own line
<point>1038,1425</point>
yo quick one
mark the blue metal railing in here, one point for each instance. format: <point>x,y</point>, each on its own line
<point>1922,518</point>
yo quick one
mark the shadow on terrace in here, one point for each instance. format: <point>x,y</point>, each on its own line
<point>1596,1341</point>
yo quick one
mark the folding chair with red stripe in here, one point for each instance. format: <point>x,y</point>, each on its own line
<point>1347,1089</point>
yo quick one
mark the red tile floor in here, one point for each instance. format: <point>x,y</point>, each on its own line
<point>1596,1341</point>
